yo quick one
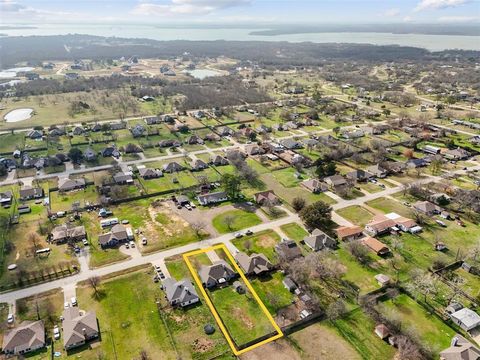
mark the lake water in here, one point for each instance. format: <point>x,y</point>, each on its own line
<point>202,73</point>
<point>11,73</point>
<point>430,42</point>
<point>18,115</point>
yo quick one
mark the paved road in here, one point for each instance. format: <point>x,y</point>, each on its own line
<point>68,282</point>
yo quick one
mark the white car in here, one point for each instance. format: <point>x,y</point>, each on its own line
<point>66,305</point>
<point>85,242</point>
<point>238,235</point>
<point>144,241</point>
<point>56,332</point>
<point>10,319</point>
<point>132,244</point>
<point>74,301</point>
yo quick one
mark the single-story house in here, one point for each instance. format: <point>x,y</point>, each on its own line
<point>318,240</point>
<point>117,235</point>
<point>359,175</point>
<point>378,171</point>
<point>212,198</point>
<point>254,149</point>
<point>288,250</point>
<point>217,274</point>
<point>376,246</point>
<point>6,198</point>
<point>379,225</point>
<point>291,144</point>
<point>65,233</point>
<point>352,134</point>
<point>225,131</point>
<point>255,264</point>
<point>457,154</point>
<point>314,185</point>
<point>382,279</point>
<point>335,181</point>
<point>460,349</point>
<point>416,163</point>
<point>151,120</point>
<point>427,208</point>
<point>169,143</point>
<point>263,197</point>
<point>122,178</point>
<point>180,293</point>
<point>67,184</point>
<point>78,327</point>
<point>110,151</point>
<point>348,233</point>
<point>28,193</point>
<point>137,131</point>
<point>465,318</point>
<point>218,160</point>
<point>35,134</point>
<point>89,155</point>
<point>148,173</point>
<point>198,164</point>
<point>27,337</point>
<point>194,139</point>
<point>172,167</point>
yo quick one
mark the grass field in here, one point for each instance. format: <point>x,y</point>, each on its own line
<point>294,231</point>
<point>356,214</point>
<point>358,330</point>
<point>261,242</point>
<point>241,220</point>
<point>431,330</point>
<point>272,292</point>
<point>388,205</point>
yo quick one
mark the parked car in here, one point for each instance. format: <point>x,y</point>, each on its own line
<point>193,205</point>
<point>56,332</point>
<point>125,222</point>
<point>10,319</point>
<point>249,232</point>
<point>74,301</point>
<point>85,242</point>
<point>66,305</point>
<point>144,241</point>
<point>441,223</point>
<point>238,235</point>
<point>127,246</point>
<point>132,244</point>
<point>188,207</point>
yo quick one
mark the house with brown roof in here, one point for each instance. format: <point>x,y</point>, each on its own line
<point>427,208</point>
<point>218,160</point>
<point>255,264</point>
<point>314,185</point>
<point>217,274</point>
<point>254,149</point>
<point>359,175</point>
<point>29,192</point>
<point>27,337</point>
<point>348,233</point>
<point>376,246</point>
<point>335,181</point>
<point>198,164</point>
<point>382,331</point>
<point>66,233</point>
<point>149,173</point>
<point>78,327</point>
<point>379,225</point>
<point>263,197</point>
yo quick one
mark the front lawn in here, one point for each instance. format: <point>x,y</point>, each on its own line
<point>356,214</point>
<point>262,242</point>
<point>294,231</point>
<point>240,219</point>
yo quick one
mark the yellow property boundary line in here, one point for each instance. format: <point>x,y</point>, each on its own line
<point>214,310</point>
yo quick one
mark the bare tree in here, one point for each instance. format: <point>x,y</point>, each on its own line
<point>336,310</point>
<point>228,221</point>
<point>198,227</point>
<point>94,282</point>
<point>34,239</point>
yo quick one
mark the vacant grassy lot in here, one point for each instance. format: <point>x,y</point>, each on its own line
<point>430,329</point>
<point>240,219</point>
<point>128,317</point>
<point>388,205</point>
<point>272,292</point>
<point>358,330</point>
<point>64,201</point>
<point>241,314</point>
<point>261,242</point>
<point>356,214</point>
<point>294,231</point>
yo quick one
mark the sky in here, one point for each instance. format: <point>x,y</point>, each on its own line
<point>233,12</point>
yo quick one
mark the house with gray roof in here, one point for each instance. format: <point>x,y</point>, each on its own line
<point>66,233</point>
<point>5,198</point>
<point>66,184</point>
<point>198,164</point>
<point>314,185</point>
<point>359,175</point>
<point>149,173</point>
<point>378,171</point>
<point>465,318</point>
<point>255,264</point>
<point>28,193</point>
<point>90,155</point>
<point>138,130</point>
<point>318,240</point>
<point>218,160</point>
<point>180,293</point>
<point>117,235</point>
<point>288,250</point>
<point>217,274</point>
<point>122,178</point>
<point>78,327</point>
<point>427,208</point>
<point>335,181</point>
<point>460,349</point>
<point>27,337</point>
<point>172,167</point>
<point>212,198</point>
<point>291,144</point>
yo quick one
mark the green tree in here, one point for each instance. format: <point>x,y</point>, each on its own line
<point>317,216</point>
<point>75,154</point>
<point>324,169</point>
<point>231,185</point>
